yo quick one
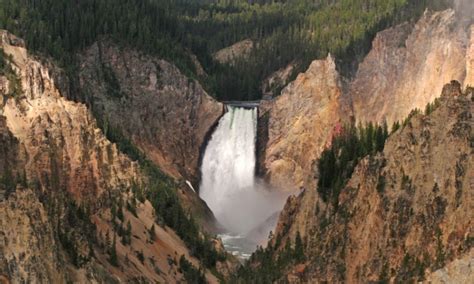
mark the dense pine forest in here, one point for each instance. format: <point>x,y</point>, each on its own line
<point>293,31</point>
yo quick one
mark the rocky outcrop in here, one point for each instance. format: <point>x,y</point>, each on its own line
<point>236,51</point>
<point>406,69</point>
<point>408,66</point>
<point>11,154</point>
<point>61,183</point>
<point>401,214</point>
<point>458,271</point>
<point>469,81</point>
<point>301,122</point>
<point>59,136</point>
<point>164,113</point>
<point>28,250</point>
<point>404,212</point>
<point>276,81</point>
<point>148,101</point>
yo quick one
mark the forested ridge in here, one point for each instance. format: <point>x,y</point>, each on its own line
<point>296,31</point>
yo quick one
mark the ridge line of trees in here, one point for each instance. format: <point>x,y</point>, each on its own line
<point>285,31</point>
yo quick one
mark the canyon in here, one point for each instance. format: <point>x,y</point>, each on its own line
<point>406,69</point>
<point>404,214</point>
<point>404,211</point>
<point>67,165</point>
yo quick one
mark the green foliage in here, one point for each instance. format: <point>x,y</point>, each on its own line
<point>4,64</point>
<point>396,125</point>
<point>299,248</point>
<point>60,28</point>
<point>286,31</point>
<point>337,163</point>
<point>152,233</point>
<point>120,213</point>
<point>132,207</point>
<point>160,190</point>
<point>140,256</point>
<point>112,83</point>
<point>7,182</point>
<point>191,274</point>
<point>410,116</point>
<point>384,276</point>
<point>440,254</point>
<point>430,107</point>
<point>126,234</point>
<point>381,184</point>
<point>411,269</point>
<point>6,70</point>
<point>113,253</point>
<point>73,226</point>
<point>268,265</point>
<point>406,182</point>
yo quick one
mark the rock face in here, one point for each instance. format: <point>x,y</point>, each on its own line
<point>301,122</point>
<point>152,103</point>
<point>238,50</point>
<point>404,212</point>
<point>408,66</point>
<point>457,271</point>
<point>10,155</point>
<point>60,136</point>
<point>470,62</point>
<point>276,81</point>
<point>406,69</point>
<point>28,250</point>
<point>60,179</point>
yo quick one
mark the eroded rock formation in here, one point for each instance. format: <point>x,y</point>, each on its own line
<point>301,122</point>
<point>405,212</point>
<point>408,66</point>
<point>236,51</point>
<point>164,113</point>
<point>62,182</point>
<point>406,69</point>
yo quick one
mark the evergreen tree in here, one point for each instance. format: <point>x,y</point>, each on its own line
<point>299,248</point>
<point>8,182</point>
<point>152,233</point>
<point>113,253</point>
<point>284,32</point>
<point>395,126</point>
<point>379,139</point>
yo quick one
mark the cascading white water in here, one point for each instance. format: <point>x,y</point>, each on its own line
<point>240,202</point>
<point>228,167</point>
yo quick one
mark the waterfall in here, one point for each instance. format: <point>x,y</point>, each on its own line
<point>239,201</point>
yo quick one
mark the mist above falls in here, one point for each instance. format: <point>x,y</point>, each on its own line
<point>239,200</point>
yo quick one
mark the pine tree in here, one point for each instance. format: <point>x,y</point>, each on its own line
<point>107,240</point>
<point>120,213</point>
<point>379,139</point>
<point>113,253</point>
<point>440,254</point>
<point>8,182</point>
<point>396,125</point>
<point>299,248</point>
<point>152,233</point>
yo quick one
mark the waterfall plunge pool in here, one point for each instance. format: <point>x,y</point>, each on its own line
<point>244,205</point>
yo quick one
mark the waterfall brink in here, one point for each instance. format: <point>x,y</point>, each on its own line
<point>240,202</point>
